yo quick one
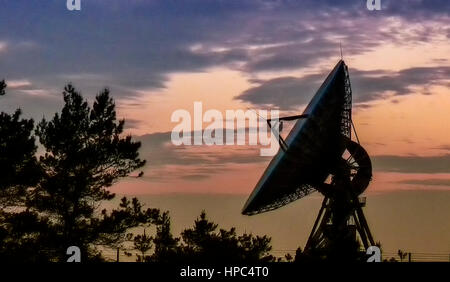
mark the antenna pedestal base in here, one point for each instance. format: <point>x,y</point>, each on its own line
<point>337,228</point>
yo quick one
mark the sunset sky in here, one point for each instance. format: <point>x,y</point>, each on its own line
<point>160,56</point>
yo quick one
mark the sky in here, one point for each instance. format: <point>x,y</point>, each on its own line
<point>160,56</point>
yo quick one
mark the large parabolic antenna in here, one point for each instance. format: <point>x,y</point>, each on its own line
<point>319,155</point>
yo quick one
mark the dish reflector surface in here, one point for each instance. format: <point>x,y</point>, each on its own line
<point>314,146</point>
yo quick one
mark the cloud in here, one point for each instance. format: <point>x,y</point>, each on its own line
<point>191,162</point>
<point>416,8</point>
<point>195,177</point>
<point>283,92</point>
<point>36,92</point>
<point>412,164</point>
<point>427,182</point>
<point>131,46</point>
<point>3,46</point>
<point>12,84</point>
<point>133,123</point>
<point>442,147</point>
<point>160,150</point>
<point>16,46</point>
<point>290,92</point>
<point>374,83</point>
<point>165,160</point>
<point>136,45</point>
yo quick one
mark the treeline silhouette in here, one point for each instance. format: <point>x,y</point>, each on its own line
<point>52,201</point>
<point>204,242</point>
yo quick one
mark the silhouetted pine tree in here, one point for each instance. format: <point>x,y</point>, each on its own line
<point>143,243</point>
<point>2,87</point>
<point>166,246</point>
<point>84,154</point>
<point>204,243</point>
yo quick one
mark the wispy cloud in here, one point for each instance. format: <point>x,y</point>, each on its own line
<point>412,164</point>
<point>193,162</point>
<point>427,182</point>
<point>3,46</point>
<point>136,46</point>
<point>37,92</point>
<point>289,92</point>
<point>12,84</point>
<point>202,162</point>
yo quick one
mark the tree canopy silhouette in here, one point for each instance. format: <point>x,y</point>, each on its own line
<point>2,87</point>
<point>166,246</point>
<point>204,242</point>
<point>143,243</point>
<point>85,153</point>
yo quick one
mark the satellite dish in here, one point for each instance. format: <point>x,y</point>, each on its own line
<point>319,155</point>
